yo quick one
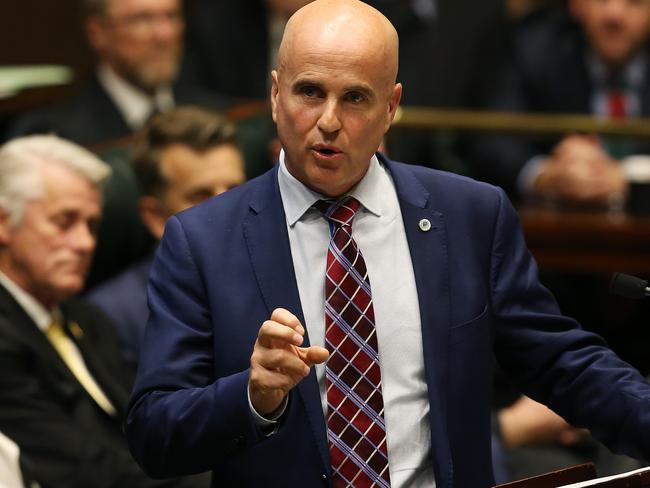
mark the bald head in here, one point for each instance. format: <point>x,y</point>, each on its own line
<point>343,27</point>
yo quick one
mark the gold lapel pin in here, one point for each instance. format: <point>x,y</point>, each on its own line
<point>76,330</point>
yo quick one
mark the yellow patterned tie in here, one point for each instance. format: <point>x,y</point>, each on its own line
<point>72,358</point>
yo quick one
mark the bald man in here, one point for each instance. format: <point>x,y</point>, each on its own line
<point>333,322</point>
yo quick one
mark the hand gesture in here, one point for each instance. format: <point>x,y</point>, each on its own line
<point>278,363</point>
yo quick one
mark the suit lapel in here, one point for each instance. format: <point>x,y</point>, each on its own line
<point>430,266</point>
<point>24,327</point>
<point>265,232</point>
<point>53,365</point>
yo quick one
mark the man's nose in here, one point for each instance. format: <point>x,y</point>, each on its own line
<point>614,9</point>
<point>83,238</point>
<point>329,120</point>
<point>167,27</point>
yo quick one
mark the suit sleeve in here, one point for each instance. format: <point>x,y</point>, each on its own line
<point>553,359</point>
<point>181,418</point>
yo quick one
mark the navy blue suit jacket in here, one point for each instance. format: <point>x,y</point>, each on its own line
<point>223,266</point>
<point>124,299</point>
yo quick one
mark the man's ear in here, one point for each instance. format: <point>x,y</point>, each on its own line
<point>153,215</point>
<point>95,28</point>
<point>274,94</point>
<point>5,228</point>
<point>393,104</point>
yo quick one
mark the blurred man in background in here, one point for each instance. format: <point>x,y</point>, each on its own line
<point>64,385</point>
<point>594,61</point>
<point>181,158</point>
<point>139,44</point>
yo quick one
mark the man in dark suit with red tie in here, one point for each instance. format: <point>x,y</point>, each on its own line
<point>591,59</point>
<point>334,322</point>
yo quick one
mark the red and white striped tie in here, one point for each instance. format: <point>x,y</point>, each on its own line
<point>356,431</point>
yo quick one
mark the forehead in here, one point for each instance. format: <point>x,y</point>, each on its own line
<point>601,6</point>
<point>181,164</point>
<point>345,67</point>
<point>343,44</point>
<point>64,187</point>
<point>128,6</point>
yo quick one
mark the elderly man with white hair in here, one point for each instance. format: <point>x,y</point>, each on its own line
<point>63,385</point>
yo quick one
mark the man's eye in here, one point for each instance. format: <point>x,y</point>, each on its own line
<point>309,91</point>
<point>355,97</point>
<point>63,222</point>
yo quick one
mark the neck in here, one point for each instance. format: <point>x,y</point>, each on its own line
<point>43,296</point>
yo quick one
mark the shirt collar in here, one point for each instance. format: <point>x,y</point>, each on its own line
<point>298,198</point>
<point>135,105</point>
<point>32,307</point>
<point>633,74</point>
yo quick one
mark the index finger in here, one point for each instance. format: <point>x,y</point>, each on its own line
<point>273,334</point>
<point>284,317</point>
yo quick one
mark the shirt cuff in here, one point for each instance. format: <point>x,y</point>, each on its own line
<point>528,174</point>
<point>268,425</point>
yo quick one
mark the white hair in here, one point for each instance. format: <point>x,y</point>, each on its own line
<point>21,161</point>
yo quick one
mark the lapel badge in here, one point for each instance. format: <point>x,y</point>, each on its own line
<point>76,330</point>
<point>425,225</point>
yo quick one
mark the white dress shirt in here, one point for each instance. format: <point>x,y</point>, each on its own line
<point>41,316</point>
<point>379,232</point>
<point>135,105</point>
<point>10,473</point>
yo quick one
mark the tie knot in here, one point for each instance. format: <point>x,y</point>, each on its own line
<point>339,212</point>
<point>55,328</point>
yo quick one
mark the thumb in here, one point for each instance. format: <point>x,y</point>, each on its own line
<point>312,355</point>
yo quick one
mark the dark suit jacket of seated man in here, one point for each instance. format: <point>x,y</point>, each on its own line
<point>221,386</point>
<point>554,67</point>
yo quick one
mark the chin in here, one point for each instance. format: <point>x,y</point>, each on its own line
<point>325,184</point>
<point>68,287</point>
<point>615,53</point>
<point>155,77</point>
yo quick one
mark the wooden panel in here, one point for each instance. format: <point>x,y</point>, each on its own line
<point>45,32</point>
<point>593,242</point>
<point>574,474</point>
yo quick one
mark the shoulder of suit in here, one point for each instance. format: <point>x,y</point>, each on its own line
<point>546,37</point>
<point>439,179</point>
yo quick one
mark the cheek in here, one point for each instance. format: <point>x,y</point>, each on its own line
<point>131,51</point>
<point>34,262</point>
<point>299,118</point>
<point>641,26</point>
<point>367,130</point>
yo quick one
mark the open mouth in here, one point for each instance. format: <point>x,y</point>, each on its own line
<point>326,151</point>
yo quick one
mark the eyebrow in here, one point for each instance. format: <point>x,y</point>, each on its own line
<point>306,82</point>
